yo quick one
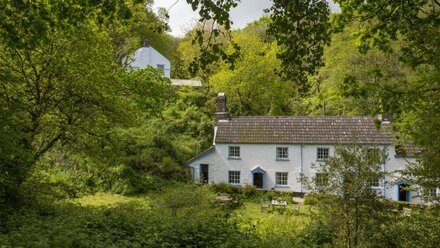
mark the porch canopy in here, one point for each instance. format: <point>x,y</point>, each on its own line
<point>258,169</point>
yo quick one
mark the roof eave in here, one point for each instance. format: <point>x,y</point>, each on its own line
<point>200,155</point>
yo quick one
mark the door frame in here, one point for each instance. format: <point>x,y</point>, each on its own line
<point>407,192</point>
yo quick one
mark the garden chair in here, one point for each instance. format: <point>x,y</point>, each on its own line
<point>264,207</point>
<point>406,211</point>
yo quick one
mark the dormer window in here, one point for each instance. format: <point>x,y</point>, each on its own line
<point>234,152</point>
<point>282,153</point>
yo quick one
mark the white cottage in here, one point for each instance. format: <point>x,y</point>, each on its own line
<point>148,56</point>
<point>271,152</point>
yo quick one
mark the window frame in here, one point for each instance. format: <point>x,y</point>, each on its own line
<point>375,183</point>
<point>161,67</point>
<point>279,180</point>
<point>232,177</point>
<point>279,148</point>
<point>318,153</point>
<point>430,193</point>
<point>230,148</point>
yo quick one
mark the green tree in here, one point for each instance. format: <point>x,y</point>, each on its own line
<point>354,83</point>
<point>59,81</point>
<point>416,24</point>
<point>302,29</point>
<point>352,208</point>
<point>254,87</point>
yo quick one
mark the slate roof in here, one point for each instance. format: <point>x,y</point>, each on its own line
<point>408,150</point>
<point>303,130</point>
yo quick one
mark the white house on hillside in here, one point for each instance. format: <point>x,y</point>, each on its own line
<point>271,152</point>
<point>148,56</point>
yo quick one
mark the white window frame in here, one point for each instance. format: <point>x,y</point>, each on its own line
<point>234,177</point>
<point>279,151</point>
<point>280,181</point>
<point>430,193</point>
<point>318,158</point>
<point>375,183</point>
<point>233,151</point>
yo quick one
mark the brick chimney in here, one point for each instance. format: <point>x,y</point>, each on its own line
<point>222,113</point>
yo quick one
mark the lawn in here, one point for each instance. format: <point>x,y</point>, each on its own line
<point>250,218</point>
<point>108,200</point>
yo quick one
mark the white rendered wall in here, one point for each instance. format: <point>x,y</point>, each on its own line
<point>395,166</point>
<point>148,56</point>
<point>301,159</point>
<point>140,58</point>
<point>158,59</point>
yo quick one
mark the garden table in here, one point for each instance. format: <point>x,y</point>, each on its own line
<point>280,205</point>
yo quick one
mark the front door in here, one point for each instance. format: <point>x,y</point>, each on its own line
<point>204,173</point>
<point>258,180</point>
<point>403,192</point>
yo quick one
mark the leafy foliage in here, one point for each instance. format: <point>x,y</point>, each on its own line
<point>254,83</point>
<point>352,207</point>
<point>129,224</point>
<point>352,83</point>
<point>216,16</point>
<point>302,29</point>
<point>386,21</point>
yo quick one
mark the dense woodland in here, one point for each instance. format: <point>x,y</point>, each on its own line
<point>75,122</point>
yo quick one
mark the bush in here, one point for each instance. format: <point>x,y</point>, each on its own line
<point>224,188</point>
<point>184,216</point>
<point>311,200</point>
<point>317,234</point>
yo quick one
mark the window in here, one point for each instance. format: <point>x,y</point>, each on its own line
<point>234,152</point>
<point>234,177</point>
<point>433,192</point>
<point>429,193</point>
<point>374,182</point>
<point>321,179</point>
<point>322,153</point>
<point>281,178</point>
<point>282,153</point>
<point>161,67</point>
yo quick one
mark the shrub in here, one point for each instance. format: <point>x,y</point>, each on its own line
<point>311,200</point>
<point>224,188</point>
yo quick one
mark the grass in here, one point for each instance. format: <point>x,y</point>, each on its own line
<point>110,200</point>
<point>250,218</point>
